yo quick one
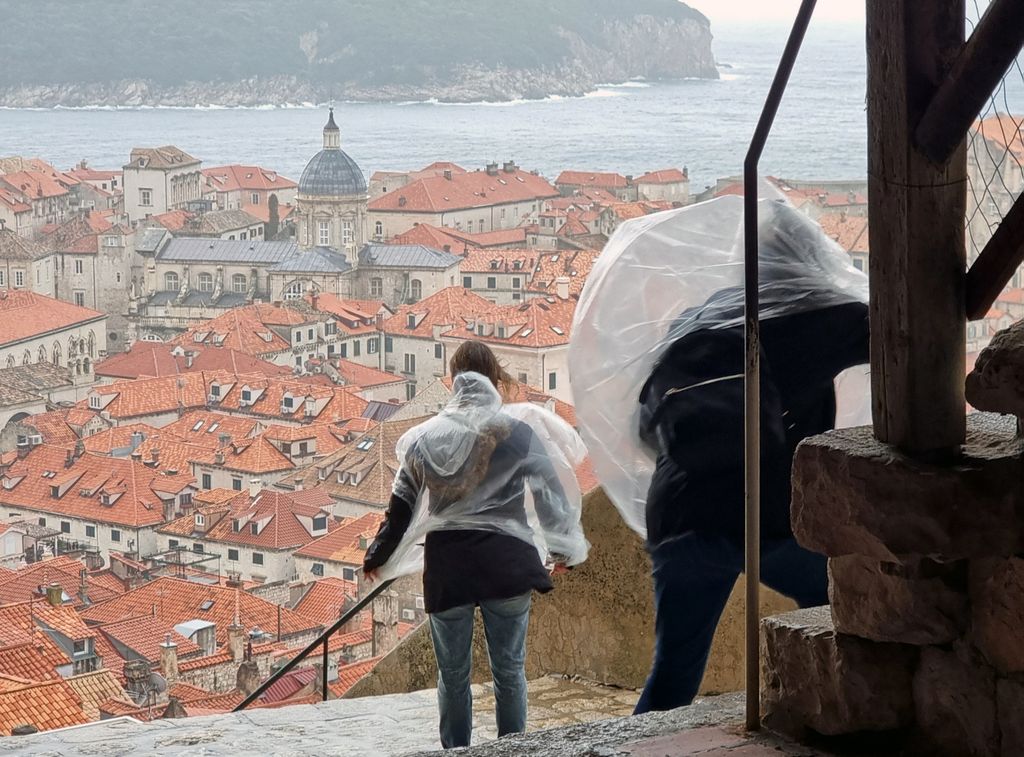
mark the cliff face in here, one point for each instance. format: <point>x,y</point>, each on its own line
<point>642,46</point>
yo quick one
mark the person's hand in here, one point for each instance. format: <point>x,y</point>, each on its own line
<point>559,568</point>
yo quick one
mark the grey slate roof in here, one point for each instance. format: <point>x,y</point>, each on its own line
<point>314,260</point>
<point>15,247</point>
<point>332,173</point>
<point>227,250</point>
<point>221,221</point>
<point>25,383</point>
<point>149,240</point>
<point>194,298</point>
<point>405,256</point>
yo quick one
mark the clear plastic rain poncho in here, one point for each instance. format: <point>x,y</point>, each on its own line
<point>634,306</point>
<point>480,465</point>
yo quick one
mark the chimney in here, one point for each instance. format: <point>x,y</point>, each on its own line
<point>190,358</point>
<point>155,455</point>
<point>509,166</point>
<point>236,642</point>
<point>83,587</point>
<point>248,678</point>
<point>137,439</point>
<point>447,173</point>
<point>562,287</point>
<point>298,484</point>
<point>23,449</point>
<point>314,300</point>
<point>136,673</point>
<point>54,595</point>
<point>384,623</point>
<point>255,486</point>
<point>169,659</point>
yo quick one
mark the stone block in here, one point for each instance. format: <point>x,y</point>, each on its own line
<point>1010,716</point>
<point>997,381</point>
<point>955,702</point>
<point>921,603</point>
<point>997,611</point>
<point>828,683</point>
<point>855,495</point>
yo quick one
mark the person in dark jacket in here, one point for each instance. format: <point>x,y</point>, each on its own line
<point>474,464</point>
<point>692,419</point>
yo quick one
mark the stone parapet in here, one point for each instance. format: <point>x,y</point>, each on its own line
<point>855,495</point>
<point>818,680</point>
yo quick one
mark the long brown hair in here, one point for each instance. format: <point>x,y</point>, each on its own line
<point>478,357</point>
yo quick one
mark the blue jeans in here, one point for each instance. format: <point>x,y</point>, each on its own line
<point>693,577</point>
<point>505,623</point>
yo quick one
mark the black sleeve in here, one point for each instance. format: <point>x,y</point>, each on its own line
<point>390,533</point>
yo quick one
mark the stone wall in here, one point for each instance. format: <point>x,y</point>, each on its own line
<point>922,642</point>
<point>598,623</point>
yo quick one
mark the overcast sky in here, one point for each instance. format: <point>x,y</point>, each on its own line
<point>776,10</point>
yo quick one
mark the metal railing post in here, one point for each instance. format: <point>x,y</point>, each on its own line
<point>323,673</point>
<point>311,647</point>
<point>752,364</point>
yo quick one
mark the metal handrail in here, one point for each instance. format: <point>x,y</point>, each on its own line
<point>320,641</point>
<point>752,365</point>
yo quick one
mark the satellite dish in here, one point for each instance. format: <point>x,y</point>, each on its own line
<point>157,683</point>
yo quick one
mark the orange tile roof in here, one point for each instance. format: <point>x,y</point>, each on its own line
<point>343,544</point>
<point>574,265</point>
<point>364,471</point>
<point>53,704</point>
<point>186,692</point>
<point>27,315</point>
<point>450,308</point>
<point>144,635</point>
<point>63,619</point>
<point>573,227</point>
<point>476,189</point>
<point>364,376</point>
<point>251,178</point>
<point>664,176</point>
<point>349,675</point>
<point>94,688</point>
<point>440,238</point>
<point>850,232</point>
<point>53,427</point>
<point>204,427</point>
<point>23,584</point>
<point>261,212</point>
<point>134,492</point>
<point>246,329</point>
<point>120,437</point>
<point>34,185</point>
<point>118,707</point>
<point>1005,130</point>
<point>173,220</point>
<point>499,261</point>
<point>326,600</point>
<point>112,659</point>
<point>8,198</point>
<point>158,359</point>
<point>175,601</point>
<point>280,523</point>
<point>591,179</point>
<point>33,660</point>
<point>540,322</point>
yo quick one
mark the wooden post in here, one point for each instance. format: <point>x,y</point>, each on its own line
<point>917,211</point>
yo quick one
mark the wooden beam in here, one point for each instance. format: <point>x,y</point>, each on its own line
<point>917,210</point>
<point>997,40</point>
<point>997,263</point>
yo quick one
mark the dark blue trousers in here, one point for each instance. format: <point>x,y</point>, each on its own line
<point>693,577</point>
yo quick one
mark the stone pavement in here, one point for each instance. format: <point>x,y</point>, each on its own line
<point>584,720</point>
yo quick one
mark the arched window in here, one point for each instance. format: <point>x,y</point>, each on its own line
<point>56,353</point>
<point>171,282</point>
<point>378,229</point>
<point>86,366</point>
<point>296,289</point>
<point>416,290</point>
<point>206,282</point>
<point>376,287</point>
<point>239,283</point>
<point>42,354</point>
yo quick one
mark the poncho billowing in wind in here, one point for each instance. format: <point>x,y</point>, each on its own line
<point>479,465</point>
<point>664,277</point>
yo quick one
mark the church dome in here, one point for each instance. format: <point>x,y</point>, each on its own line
<point>331,172</point>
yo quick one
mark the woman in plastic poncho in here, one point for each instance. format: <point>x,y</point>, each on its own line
<point>467,477</point>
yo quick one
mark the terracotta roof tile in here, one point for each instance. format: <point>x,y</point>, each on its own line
<point>93,688</point>
<point>175,601</point>
<point>23,585</point>
<point>326,599</point>
<point>349,675</point>
<point>251,178</point>
<point>849,231</point>
<point>591,179</point>
<point>450,308</point>
<point>160,359</point>
<point>664,176</point>
<point>364,376</point>
<point>539,322</point>
<point>476,189</point>
<point>26,315</point>
<point>53,704</point>
<point>144,635</point>
<point>574,265</point>
<point>344,543</point>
